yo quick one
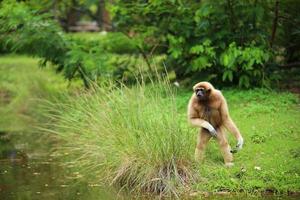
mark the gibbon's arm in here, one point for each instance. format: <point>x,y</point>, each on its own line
<point>230,125</point>
<point>196,121</point>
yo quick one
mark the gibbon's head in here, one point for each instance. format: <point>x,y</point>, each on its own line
<point>203,90</point>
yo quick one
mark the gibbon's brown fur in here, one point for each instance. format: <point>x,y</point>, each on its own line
<point>208,110</point>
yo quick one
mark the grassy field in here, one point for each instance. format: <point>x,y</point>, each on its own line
<point>22,85</point>
<point>138,138</point>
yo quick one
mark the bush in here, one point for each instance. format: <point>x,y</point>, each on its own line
<point>196,35</point>
<point>111,42</point>
<point>117,56</point>
<point>92,59</point>
<point>246,63</point>
<point>131,138</point>
<point>23,30</point>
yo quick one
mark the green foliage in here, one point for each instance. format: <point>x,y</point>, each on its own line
<point>247,63</point>
<point>111,42</point>
<point>69,12</point>
<point>117,55</point>
<point>35,35</point>
<point>289,33</point>
<point>91,60</point>
<point>206,53</point>
<point>225,41</point>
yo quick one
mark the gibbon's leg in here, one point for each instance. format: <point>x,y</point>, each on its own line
<point>225,148</point>
<point>202,140</point>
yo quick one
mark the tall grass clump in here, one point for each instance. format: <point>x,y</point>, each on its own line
<point>132,138</point>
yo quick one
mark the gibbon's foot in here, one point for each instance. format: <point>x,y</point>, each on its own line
<point>229,164</point>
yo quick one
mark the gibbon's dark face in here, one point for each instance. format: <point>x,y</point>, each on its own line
<point>201,93</point>
<point>203,90</point>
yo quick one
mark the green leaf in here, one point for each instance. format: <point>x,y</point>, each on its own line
<point>227,74</point>
<point>244,81</point>
<point>201,63</point>
<point>197,49</point>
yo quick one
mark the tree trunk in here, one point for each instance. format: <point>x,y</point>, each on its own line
<point>275,22</point>
<point>102,16</point>
<point>73,15</point>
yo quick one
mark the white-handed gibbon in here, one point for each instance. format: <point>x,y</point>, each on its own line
<point>208,110</point>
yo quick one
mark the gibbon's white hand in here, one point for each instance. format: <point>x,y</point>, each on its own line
<point>212,130</point>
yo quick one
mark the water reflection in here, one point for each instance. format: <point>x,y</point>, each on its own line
<point>39,177</point>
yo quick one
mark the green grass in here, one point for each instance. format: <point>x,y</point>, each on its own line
<point>138,138</point>
<point>129,137</point>
<point>22,84</point>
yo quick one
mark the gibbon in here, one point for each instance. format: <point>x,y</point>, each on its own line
<point>208,110</point>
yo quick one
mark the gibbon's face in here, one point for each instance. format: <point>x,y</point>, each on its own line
<point>201,93</point>
<point>202,90</point>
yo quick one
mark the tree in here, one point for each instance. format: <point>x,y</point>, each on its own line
<point>216,40</point>
<point>39,36</point>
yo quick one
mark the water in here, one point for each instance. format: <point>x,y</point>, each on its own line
<point>35,175</point>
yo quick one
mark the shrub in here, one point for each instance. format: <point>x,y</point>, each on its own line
<point>194,35</point>
<point>129,137</point>
<point>111,42</point>
<point>92,60</point>
<point>26,31</point>
<point>114,56</point>
<point>246,63</point>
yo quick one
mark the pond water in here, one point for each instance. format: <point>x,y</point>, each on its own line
<point>34,175</point>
